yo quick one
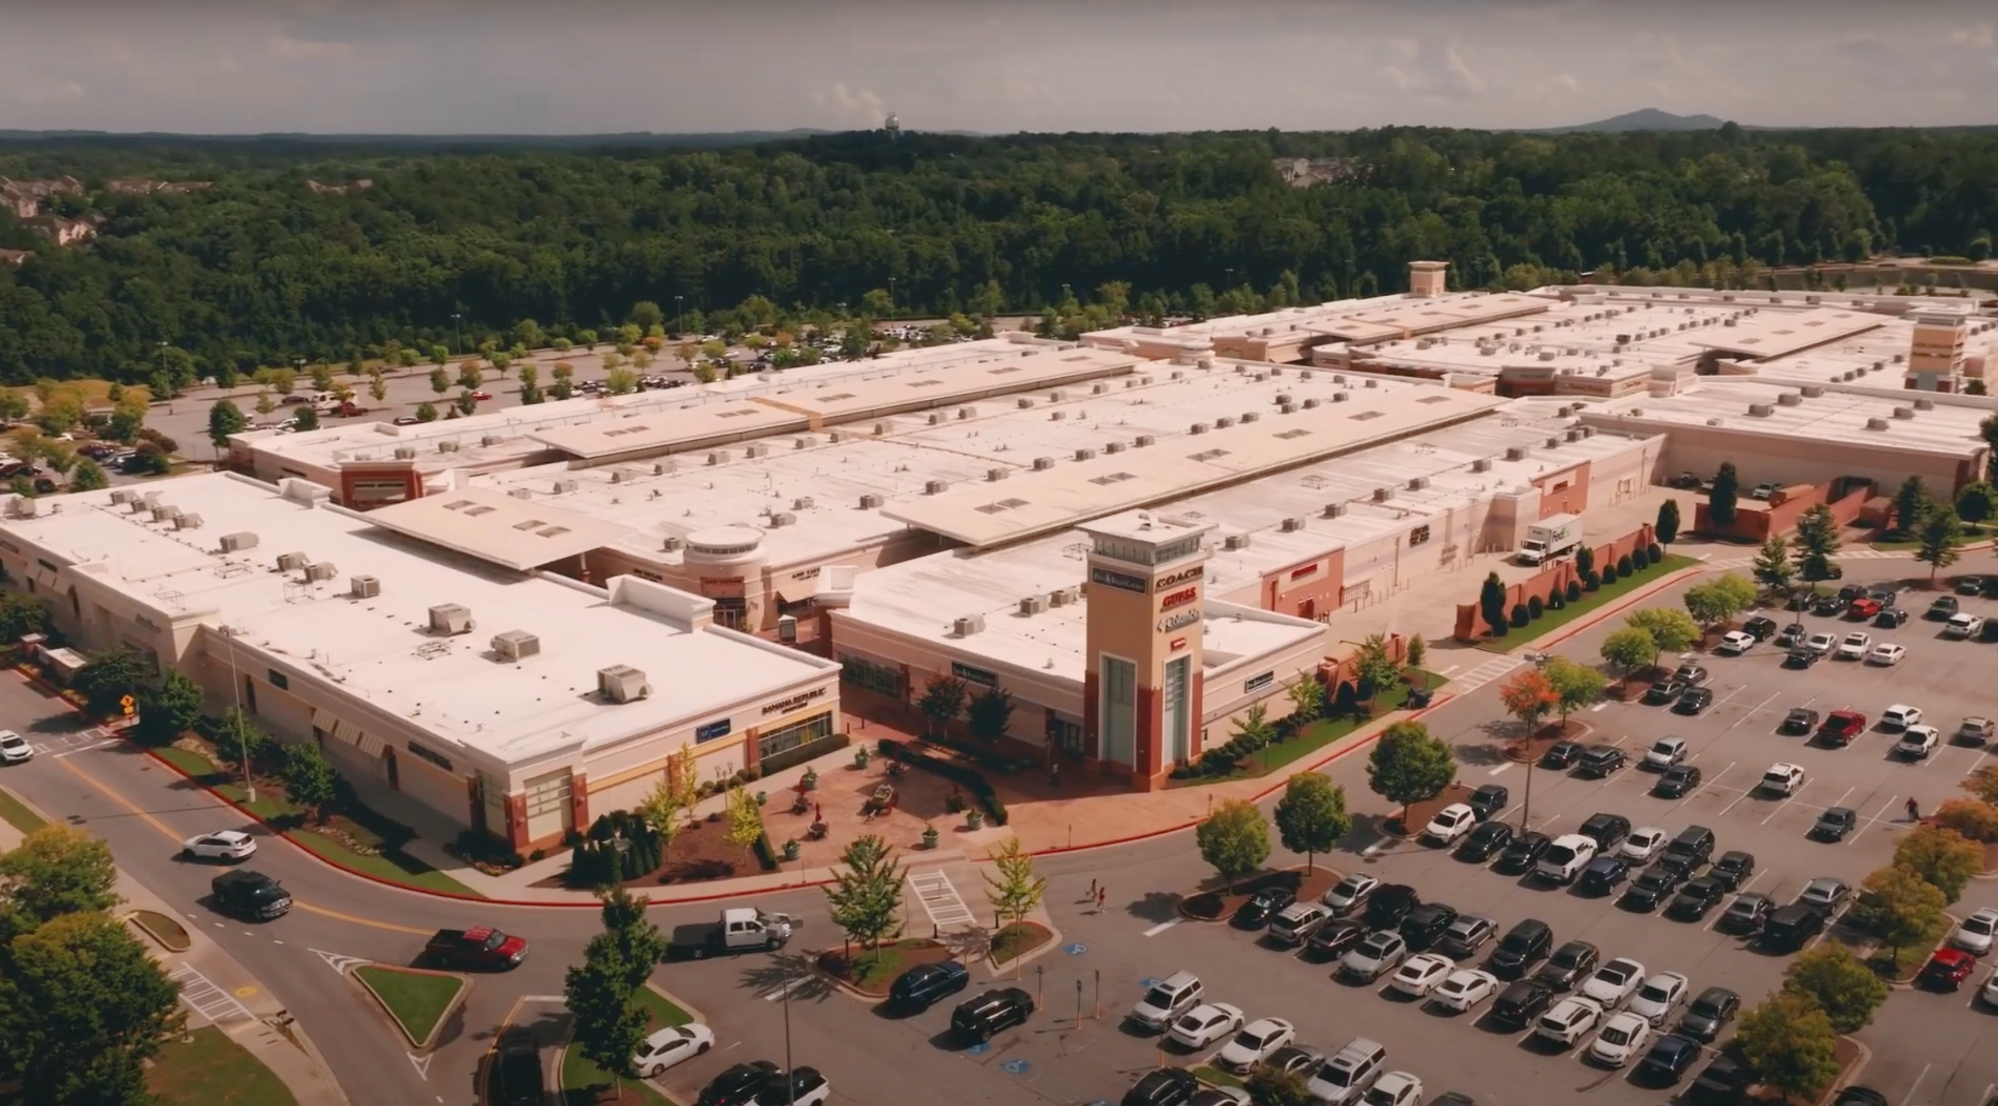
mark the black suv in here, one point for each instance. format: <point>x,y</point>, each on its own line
<point>1390,904</point>
<point>1600,761</point>
<point>1261,907</point>
<point>1481,843</point>
<point>1570,964</point>
<point>1519,856</point>
<point>1521,1002</point>
<point>251,894</point>
<point>1603,874</point>
<point>1651,887</point>
<point>1523,946</point>
<point>1561,754</point>
<point>1674,782</point>
<point>979,1017</point>
<point>1606,830</point>
<point>1761,627</point>
<point>920,987</point>
<point>1162,1087</point>
<point>1692,848</point>
<point>516,1072</point>
<point>1891,618</point>
<point>1488,800</point>
<point>1726,1080</point>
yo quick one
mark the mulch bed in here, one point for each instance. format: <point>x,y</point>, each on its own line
<point>907,954</point>
<point>1631,690</point>
<point>699,853</point>
<point>1212,906</point>
<point>1533,748</point>
<point>1018,939</point>
<point>1846,1052</point>
<point>1421,813</point>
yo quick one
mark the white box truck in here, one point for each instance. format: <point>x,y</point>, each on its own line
<point>1550,538</point>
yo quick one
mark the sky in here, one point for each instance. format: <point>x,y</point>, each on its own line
<point>992,66</point>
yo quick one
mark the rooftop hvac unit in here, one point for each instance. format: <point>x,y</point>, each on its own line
<point>1482,464</point>
<point>137,506</point>
<point>1518,453</point>
<point>1761,410</point>
<point>718,457</point>
<point>1382,495</point>
<point>164,513</point>
<point>1057,396</point>
<point>516,645</point>
<point>364,587</point>
<point>805,442</point>
<point>1574,435</point>
<point>623,476</point>
<point>291,562</point>
<point>1373,383</point>
<point>1251,416</point>
<point>1145,380</point>
<point>1057,416</point>
<point>839,436</point>
<point>881,428</point>
<point>1098,389</point>
<point>1042,464</point>
<point>1876,424</point>
<point>1341,397</point>
<point>1335,510</point>
<point>965,627</point>
<point>967,412</point>
<point>1198,428</point>
<point>150,499</point>
<point>320,570</point>
<point>451,618</point>
<point>405,453</point>
<point>1284,397</point>
<point>1144,440</point>
<point>672,544</point>
<point>1552,443</point>
<point>121,497</point>
<point>756,451</point>
<point>1418,483</point>
<point>491,439</point>
<point>1064,597</point>
<point>1085,454</point>
<point>237,542</point>
<point>1114,447</point>
<point>993,476</point>
<point>1304,374</point>
<point>1235,541</point>
<point>1292,525</point>
<point>1223,423</point>
<point>803,503</point>
<point>187,522</point>
<point>1310,402</point>
<point>870,500</point>
<point>1025,402</point>
<point>936,487</point>
<point>23,506</point>
<point>565,487</point>
<point>621,683</point>
<point>449,446</point>
<point>1715,422</point>
<point>1789,399</point>
<point>936,418</point>
<point>783,518</point>
<point>521,493</point>
<point>1033,604</point>
<point>1904,412</point>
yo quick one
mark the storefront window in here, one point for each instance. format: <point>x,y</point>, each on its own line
<point>870,675</point>
<point>790,737</point>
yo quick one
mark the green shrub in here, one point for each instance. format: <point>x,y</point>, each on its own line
<point>1623,566</point>
<point>1574,590</point>
<point>1592,581</point>
<point>971,779</point>
<point>1534,607</point>
<point>1519,615</point>
<point>1609,575</point>
<point>1655,551</point>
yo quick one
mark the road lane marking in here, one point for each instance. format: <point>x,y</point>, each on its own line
<point>940,899</point>
<point>1604,705</point>
<point>339,963</point>
<point>1161,928</point>
<point>788,986</point>
<point>87,748</point>
<point>1499,769</point>
<point>1708,783</point>
<point>206,999</point>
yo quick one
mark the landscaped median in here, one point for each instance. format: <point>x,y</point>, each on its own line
<point>273,808</point>
<point>17,814</point>
<point>585,1084</point>
<point>1017,939</point>
<point>415,999</point>
<point>171,935</point>
<point>1287,746</point>
<point>1527,622</point>
<point>1217,905</point>
<point>870,971</point>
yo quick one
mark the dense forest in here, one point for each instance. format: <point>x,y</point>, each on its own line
<point>455,244</point>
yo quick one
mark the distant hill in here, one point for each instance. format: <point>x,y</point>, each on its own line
<point>1646,119</point>
<point>433,141</point>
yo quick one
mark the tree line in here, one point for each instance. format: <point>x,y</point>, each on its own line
<point>456,247</point>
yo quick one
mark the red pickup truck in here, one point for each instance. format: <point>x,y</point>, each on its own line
<point>477,947</point>
<point>1841,726</point>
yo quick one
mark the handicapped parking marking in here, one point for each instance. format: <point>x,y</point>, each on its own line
<point>1077,949</point>
<point>1015,1067</point>
<point>979,1049</point>
<point>1148,983</point>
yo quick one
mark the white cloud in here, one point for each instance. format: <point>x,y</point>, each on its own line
<point>857,108</point>
<point>1978,36</point>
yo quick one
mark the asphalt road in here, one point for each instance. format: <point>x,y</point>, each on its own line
<point>1928,1049</point>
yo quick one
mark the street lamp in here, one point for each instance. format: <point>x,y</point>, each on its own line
<point>242,737</point>
<point>680,307</point>
<point>457,333</point>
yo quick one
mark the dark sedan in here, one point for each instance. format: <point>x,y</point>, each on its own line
<point>1651,887</point>
<point>1746,913</point>
<point>1709,1013</point>
<point>1891,618</point>
<point>1696,898</point>
<point>1734,868</point>
<point>1488,800</point>
<point>1677,781</point>
<point>1834,824</point>
<point>1562,755</point>
<point>1669,1058</point>
<point>1800,720</point>
<point>1485,841</point>
<point>1335,938</point>
<point>1262,906</point>
<point>1694,700</point>
<point>1570,964</point>
<point>1521,854</point>
<point>1801,657</point>
<point>1663,692</point>
<point>739,1085</point>
<point>1726,1080</point>
<point>1390,904</point>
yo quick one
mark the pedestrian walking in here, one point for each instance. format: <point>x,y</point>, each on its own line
<point>1914,811</point>
<point>1101,894</point>
<point>818,812</point>
<point>1092,890</point>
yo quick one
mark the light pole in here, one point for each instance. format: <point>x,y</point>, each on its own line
<point>242,738</point>
<point>790,1083</point>
<point>457,333</point>
<point>163,368</point>
<point>680,308</point>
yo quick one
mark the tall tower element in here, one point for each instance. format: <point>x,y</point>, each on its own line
<point>893,126</point>
<point>1935,354</point>
<point>1427,279</point>
<point>1142,687</point>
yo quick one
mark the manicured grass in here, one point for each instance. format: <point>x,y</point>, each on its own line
<point>583,1083</point>
<point>1589,603</point>
<point>416,999</point>
<point>170,934</point>
<point>660,1011</point>
<point>872,970</point>
<point>1912,956</point>
<point>1313,738</point>
<point>18,815</point>
<point>1215,1077</point>
<point>1018,939</point>
<point>1895,546</point>
<point>394,867</point>
<point>212,1070</point>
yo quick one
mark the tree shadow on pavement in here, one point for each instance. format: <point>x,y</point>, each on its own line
<point>1368,830</point>
<point>1155,906</point>
<point>1480,756</point>
<point>796,969</point>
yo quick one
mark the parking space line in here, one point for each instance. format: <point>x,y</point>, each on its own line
<point>1499,769</point>
<point>1787,800</point>
<point>1909,1097</point>
<point>1882,813</point>
<point>1743,889</point>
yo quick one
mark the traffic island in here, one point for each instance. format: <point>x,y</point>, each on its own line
<point>869,971</point>
<point>1529,750</point>
<point>169,933</point>
<point>1214,906</point>
<point>585,1084</point>
<point>1017,939</point>
<point>1421,814</point>
<point>417,1001</point>
<point>207,1068</point>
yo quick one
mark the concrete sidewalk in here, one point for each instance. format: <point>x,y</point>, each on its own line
<point>218,991</point>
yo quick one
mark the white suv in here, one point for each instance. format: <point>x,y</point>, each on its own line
<point>14,748</point>
<point>1569,1021</point>
<point>1167,1000</point>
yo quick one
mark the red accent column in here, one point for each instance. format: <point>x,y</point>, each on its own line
<point>515,829</point>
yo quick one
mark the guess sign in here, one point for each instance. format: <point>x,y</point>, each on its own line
<point>1179,598</point>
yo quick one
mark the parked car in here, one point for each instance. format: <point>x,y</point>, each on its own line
<point>1205,1024</point>
<point>1450,824</point>
<point>739,1085</point>
<point>1974,934</point>
<point>1562,755</point>
<point>1525,851</point>
<point>1891,618</point>
<point>1918,742</point>
<point>1863,609</point>
<point>1974,730</point>
<point>1390,904</point>
<point>1723,1082</point>
<point>1643,845</point>
<point>1667,1060</point>
<point>1420,974</point>
<point>1734,643</point>
<point>1259,908</point>
<point>1833,824</point>
<point>922,986</point>
<point>1162,1087</point>
<point>669,1047</point>
<point>1691,848</point>
<point>1569,965</point>
<point>1488,799</point>
<point>1709,1013</point>
<point>1604,875</point>
<point>1659,996</point>
<point>1167,1000</point>
<point>1607,830</point>
<point>1600,761</point>
<point>1396,1088</point>
<point>1664,753</point>
<point>1733,868</point>
<point>1565,858</point>
<point>1802,656</point>
<point>1254,1043</point>
<point>1746,914</point>
<point>1524,945</point>
<point>1887,654</point>
<point>1381,952</point>
<point>517,1077</point>
<point>1793,635</point>
<point>1464,990</point>
<point>1899,717</point>
<point>1696,898</point>
<point>1677,781</point>
<point>1614,982</point>
<point>1947,969</point>
<point>1622,1037</point>
<point>1800,720</point>
<point>1854,646</point>
<point>1569,1020</point>
<point>1485,841</point>
<point>1782,779</point>
<point>1298,921</point>
<point>1943,608</point>
<point>1521,1002</point>
<point>1426,924</point>
<point>1822,644</point>
<point>1466,935</point>
<point>1826,894</point>
<point>982,1016</point>
<point>1651,888</point>
<point>1840,727</point>
<point>1663,692</point>
<point>1336,938</point>
<point>1350,894</point>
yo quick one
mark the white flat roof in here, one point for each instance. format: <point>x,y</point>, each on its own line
<point>1776,333</point>
<point>661,430</point>
<point>1948,426</point>
<point>368,649</point>
<point>1066,495</point>
<point>1369,319</point>
<point>500,528</point>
